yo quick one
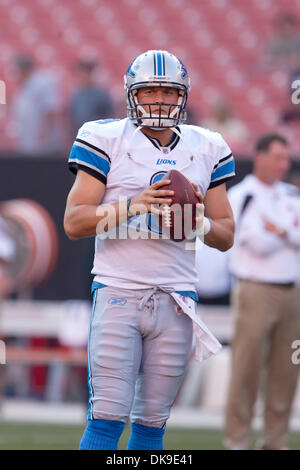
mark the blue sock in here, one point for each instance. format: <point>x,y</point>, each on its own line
<point>145,437</point>
<point>101,434</point>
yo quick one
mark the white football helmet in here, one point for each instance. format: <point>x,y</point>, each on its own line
<point>156,68</point>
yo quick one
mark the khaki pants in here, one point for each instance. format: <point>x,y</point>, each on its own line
<point>267,323</point>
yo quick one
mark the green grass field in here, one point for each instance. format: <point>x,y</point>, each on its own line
<point>61,437</point>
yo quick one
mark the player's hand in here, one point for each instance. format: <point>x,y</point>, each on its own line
<point>197,192</point>
<point>199,207</point>
<point>202,223</point>
<point>151,197</point>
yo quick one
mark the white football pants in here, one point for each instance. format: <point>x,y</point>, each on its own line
<point>139,347</point>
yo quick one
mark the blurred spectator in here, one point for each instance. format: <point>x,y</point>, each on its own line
<point>35,109</point>
<point>295,180</point>
<point>283,47</point>
<point>283,52</point>
<point>291,113</point>
<point>265,297</point>
<point>232,129</point>
<point>90,101</point>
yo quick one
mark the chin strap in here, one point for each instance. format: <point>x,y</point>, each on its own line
<point>176,131</point>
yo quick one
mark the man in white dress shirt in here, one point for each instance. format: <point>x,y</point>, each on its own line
<point>266,300</point>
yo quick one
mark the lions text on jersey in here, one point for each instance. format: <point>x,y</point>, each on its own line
<point>127,161</point>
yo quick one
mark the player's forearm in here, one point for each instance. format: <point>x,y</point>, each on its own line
<point>221,235</point>
<point>89,220</point>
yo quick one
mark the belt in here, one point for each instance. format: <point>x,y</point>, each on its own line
<point>284,285</point>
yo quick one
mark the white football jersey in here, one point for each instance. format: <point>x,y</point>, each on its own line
<point>120,155</point>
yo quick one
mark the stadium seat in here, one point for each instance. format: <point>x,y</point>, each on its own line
<point>223,46</point>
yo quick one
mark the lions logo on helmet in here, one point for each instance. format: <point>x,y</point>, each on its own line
<point>157,68</point>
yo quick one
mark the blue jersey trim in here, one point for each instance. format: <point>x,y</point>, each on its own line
<point>83,156</point>
<point>189,293</point>
<point>96,285</point>
<point>90,387</point>
<point>224,170</point>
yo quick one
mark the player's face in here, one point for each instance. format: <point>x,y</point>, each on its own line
<point>158,95</point>
<point>275,163</point>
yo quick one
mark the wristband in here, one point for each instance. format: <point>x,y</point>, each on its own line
<point>128,211</point>
<point>207,226</point>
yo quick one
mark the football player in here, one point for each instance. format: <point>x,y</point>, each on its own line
<point>144,294</point>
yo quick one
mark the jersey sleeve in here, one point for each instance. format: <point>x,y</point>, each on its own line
<point>87,155</point>
<point>224,168</point>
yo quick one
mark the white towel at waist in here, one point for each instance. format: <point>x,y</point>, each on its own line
<point>206,343</point>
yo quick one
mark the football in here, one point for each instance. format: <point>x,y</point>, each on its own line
<point>179,218</point>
